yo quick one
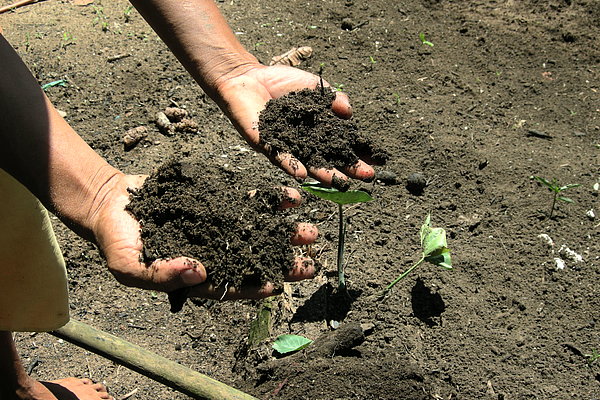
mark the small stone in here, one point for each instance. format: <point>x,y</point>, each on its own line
<point>163,123</point>
<point>175,114</point>
<point>387,177</point>
<point>591,214</point>
<point>186,125</point>
<point>133,136</point>
<point>416,183</point>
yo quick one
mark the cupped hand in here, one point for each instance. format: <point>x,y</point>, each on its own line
<point>244,96</point>
<point>117,234</point>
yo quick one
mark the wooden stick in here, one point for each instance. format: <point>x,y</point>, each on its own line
<point>17,4</point>
<point>147,363</point>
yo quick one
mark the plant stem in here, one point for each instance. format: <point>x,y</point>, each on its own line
<point>341,244</point>
<point>553,204</point>
<point>403,275</point>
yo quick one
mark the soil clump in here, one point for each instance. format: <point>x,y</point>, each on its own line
<point>302,123</point>
<point>235,234</point>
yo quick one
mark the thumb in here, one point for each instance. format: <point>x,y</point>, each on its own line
<point>176,273</point>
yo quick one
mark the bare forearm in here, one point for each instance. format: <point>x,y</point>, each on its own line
<point>41,150</point>
<point>199,36</point>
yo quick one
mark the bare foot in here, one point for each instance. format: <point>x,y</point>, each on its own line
<point>83,389</point>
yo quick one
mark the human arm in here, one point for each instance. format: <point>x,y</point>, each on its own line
<point>41,150</point>
<point>198,35</point>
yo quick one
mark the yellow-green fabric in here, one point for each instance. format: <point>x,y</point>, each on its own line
<point>33,278</point>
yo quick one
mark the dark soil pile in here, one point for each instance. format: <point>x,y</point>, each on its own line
<point>236,236</point>
<point>302,123</point>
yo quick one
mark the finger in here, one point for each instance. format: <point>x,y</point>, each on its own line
<point>305,234</point>
<point>163,275</point>
<point>361,170</point>
<point>178,272</point>
<point>341,105</point>
<point>304,268</point>
<point>290,164</point>
<point>135,181</point>
<point>330,177</point>
<point>99,387</point>
<point>291,198</point>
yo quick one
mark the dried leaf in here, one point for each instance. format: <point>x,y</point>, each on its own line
<point>292,57</point>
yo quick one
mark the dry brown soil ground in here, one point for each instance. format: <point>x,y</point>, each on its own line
<point>509,90</point>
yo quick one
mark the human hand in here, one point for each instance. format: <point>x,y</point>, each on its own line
<point>117,235</point>
<point>243,96</point>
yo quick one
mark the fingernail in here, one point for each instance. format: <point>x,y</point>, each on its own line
<point>191,277</point>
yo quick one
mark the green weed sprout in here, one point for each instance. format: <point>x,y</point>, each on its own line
<point>425,41</point>
<point>554,187</point>
<point>127,13</point>
<point>338,87</point>
<point>100,18</point>
<point>435,251</point>
<point>593,357</point>
<point>340,198</point>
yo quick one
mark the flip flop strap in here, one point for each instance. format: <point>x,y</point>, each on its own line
<point>60,392</point>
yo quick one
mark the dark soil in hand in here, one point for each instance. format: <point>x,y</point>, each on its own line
<point>237,237</point>
<point>302,123</point>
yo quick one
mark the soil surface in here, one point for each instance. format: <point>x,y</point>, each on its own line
<point>508,90</point>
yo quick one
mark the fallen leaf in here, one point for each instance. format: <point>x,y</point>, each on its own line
<point>293,57</point>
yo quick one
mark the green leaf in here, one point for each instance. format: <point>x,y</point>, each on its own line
<point>442,260</point>
<point>433,240</point>
<point>435,247</point>
<point>565,199</point>
<point>569,186</point>
<point>289,343</point>
<point>331,194</point>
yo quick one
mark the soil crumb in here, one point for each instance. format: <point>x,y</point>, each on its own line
<point>302,123</point>
<point>185,210</point>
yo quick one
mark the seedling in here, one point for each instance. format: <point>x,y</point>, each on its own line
<point>434,250</point>
<point>340,198</point>
<point>290,343</point>
<point>593,357</point>
<point>27,43</point>
<point>67,39</point>
<point>100,18</point>
<point>339,87</point>
<point>127,13</point>
<point>425,41</point>
<point>556,189</point>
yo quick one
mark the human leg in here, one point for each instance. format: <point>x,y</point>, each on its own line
<point>15,384</point>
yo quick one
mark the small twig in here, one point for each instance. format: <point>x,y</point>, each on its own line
<point>279,387</point>
<point>225,291</point>
<point>130,394</point>
<point>118,57</point>
<point>17,4</point>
